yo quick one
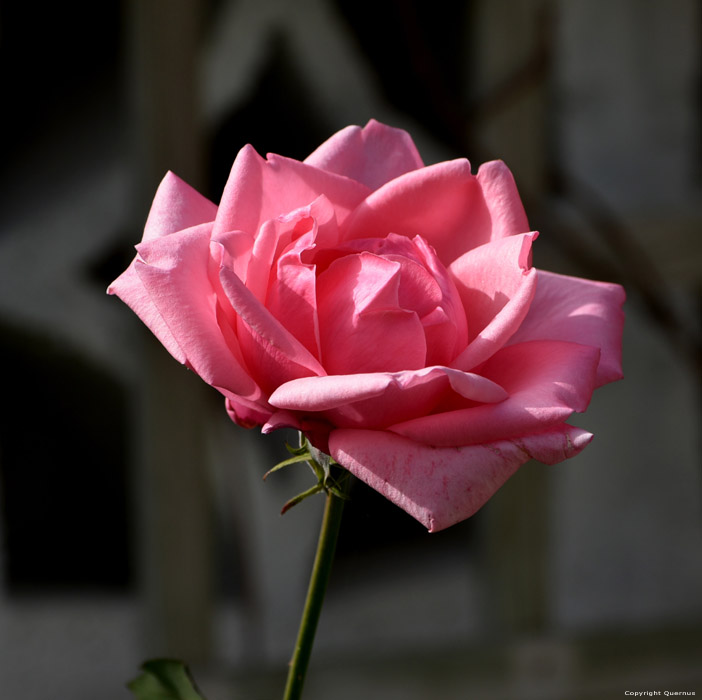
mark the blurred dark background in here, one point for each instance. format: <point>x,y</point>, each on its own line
<point>133,520</point>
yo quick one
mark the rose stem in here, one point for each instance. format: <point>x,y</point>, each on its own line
<point>321,570</point>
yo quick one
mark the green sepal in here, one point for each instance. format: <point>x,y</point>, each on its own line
<point>336,490</point>
<point>301,497</point>
<point>323,461</point>
<point>320,464</point>
<point>302,449</point>
<point>303,457</point>
<point>165,679</point>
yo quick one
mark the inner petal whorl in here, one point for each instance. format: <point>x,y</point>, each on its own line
<point>387,305</point>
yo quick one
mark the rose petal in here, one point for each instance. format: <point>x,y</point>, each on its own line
<point>316,431</point>
<point>177,206</point>
<point>496,284</point>
<point>454,338</point>
<point>277,235</point>
<point>239,246</point>
<point>130,289</point>
<point>293,299</point>
<point>333,391</point>
<point>443,203</point>
<point>259,190</point>
<point>245,414</point>
<point>372,155</point>
<point>579,311</point>
<point>425,288</point>
<point>281,419</point>
<point>362,328</point>
<point>546,381</point>
<point>280,273</point>
<point>442,486</point>
<point>272,353</point>
<point>174,274</point>
<point>507,215</point>
<point>380,399</point>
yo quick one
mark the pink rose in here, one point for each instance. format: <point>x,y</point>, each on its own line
<point>387,309</point>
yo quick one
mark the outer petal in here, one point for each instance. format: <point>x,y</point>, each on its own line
<point>130,289</point>
<point>177,206</point>
<point>579,311</point>
<point>174,274</point>
<point>317,431</point>
<point>245,414</point>
<point>496,284</point>
<point>442,486</point>
<point>507,214</point>
<point>546,380</point>
<point>372,155</point>
<point>443,203</point>
<point>281,419</point>
<point>379,399</point>
<point>321,393</point>
<point>259,190</point>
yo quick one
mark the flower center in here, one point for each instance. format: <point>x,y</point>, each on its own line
<point>386,305</point>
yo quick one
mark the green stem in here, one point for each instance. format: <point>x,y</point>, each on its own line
<point>321,570</point>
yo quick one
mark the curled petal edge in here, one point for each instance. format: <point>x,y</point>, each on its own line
<point>332,391</point>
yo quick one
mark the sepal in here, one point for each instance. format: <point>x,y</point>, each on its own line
<point>320,464</point>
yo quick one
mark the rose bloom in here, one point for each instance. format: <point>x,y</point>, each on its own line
<point>387,309</point>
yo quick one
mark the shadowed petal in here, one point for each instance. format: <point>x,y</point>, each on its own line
<point>442,486</point>
<point>293,300</point>
<point>378,399</point>
<point>496,284</point>
<point>246,414</point>
<point>316,430</point>
<point>546,381</point>
<point>274,355</point>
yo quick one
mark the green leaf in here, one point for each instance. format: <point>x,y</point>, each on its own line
<point>164,679</point>
<point>302,457</point>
